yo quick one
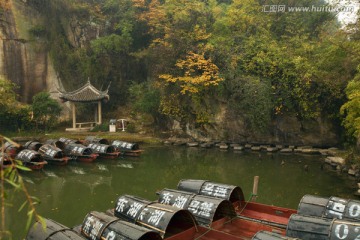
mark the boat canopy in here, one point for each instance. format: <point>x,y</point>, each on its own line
<point>93,139</point>
<point>212,189</point>
<point>164,219</point>
<point>51,151</point>
<point>101,148</point>
<point>67,141</point>
<point>332,207</point>
<point>99,226</point>
<point>32,145</point>
<point>53,230</point>
<point>56,143</point>
<point>205,209</point>
<point>27,156</point>
<point>125,146</point>
<point>77,150</point>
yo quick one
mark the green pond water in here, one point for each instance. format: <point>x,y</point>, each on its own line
<point>69,192</point>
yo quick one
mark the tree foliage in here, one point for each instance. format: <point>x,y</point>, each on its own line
<point>351,109</point>
<point>14,116</point>
<point>198,54</point>
<point>46,110</point>
<point>198,74</point>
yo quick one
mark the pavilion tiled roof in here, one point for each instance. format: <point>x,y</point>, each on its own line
<point>87,93</point>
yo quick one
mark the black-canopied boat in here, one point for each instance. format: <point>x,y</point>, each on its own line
<point>194,213</point>
<point>104,151</point>
<point>127,148</point>
<point>53,154</point>
<point>31,159</point>
<point>80,153</point>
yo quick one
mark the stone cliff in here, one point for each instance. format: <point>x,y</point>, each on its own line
<point>24,59</point>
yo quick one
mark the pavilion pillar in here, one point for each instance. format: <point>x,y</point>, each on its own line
<point>96,115</point>
<point>73,114</point>
<point>99,113</point>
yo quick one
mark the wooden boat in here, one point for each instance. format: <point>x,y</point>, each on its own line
<point>31,159</point>
<point>104,151</point>
<point>177,215</point>
<point>53,155</point>
<point>80,153</point>
<point>127,149</point>
<point>214,218</point>
<point>277,217</point>
<point>185,215</point>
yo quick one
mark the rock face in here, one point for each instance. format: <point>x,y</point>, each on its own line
<point>24,60</point>
<point>284,129</point>
<point>24,57</point>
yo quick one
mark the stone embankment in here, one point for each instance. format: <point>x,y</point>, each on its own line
<point>331,156</point>
<point>254,147</point>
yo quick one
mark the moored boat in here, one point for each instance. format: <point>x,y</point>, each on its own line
<point>31,159</point>
<point>104,151</point>
<point>80,153</point>
<point>185,215</point>
<point>127,149</point>
<point>53,154</point>
<point>273,216</point>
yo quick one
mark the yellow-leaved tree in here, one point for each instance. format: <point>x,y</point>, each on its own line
<point>199,73</point>
<point>195,79</point>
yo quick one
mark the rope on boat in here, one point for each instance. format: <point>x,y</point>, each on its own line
<point>246,203</point>
<point>211,229</point>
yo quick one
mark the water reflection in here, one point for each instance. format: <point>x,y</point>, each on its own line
<point>68,193</point>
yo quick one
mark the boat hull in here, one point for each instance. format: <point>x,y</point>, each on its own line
<point>266,214</point>
<point>235,229</point>
<point>133,153</point>
<point>109,155</point>
<point>87,158</point>
<point>58,161</point>
<point>36,165</point>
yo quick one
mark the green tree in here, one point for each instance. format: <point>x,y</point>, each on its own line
<point>252,98</point>
<point>14,116</point>
<point>145,98</point>
<point>46,110</point>
<point>351,109</point>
